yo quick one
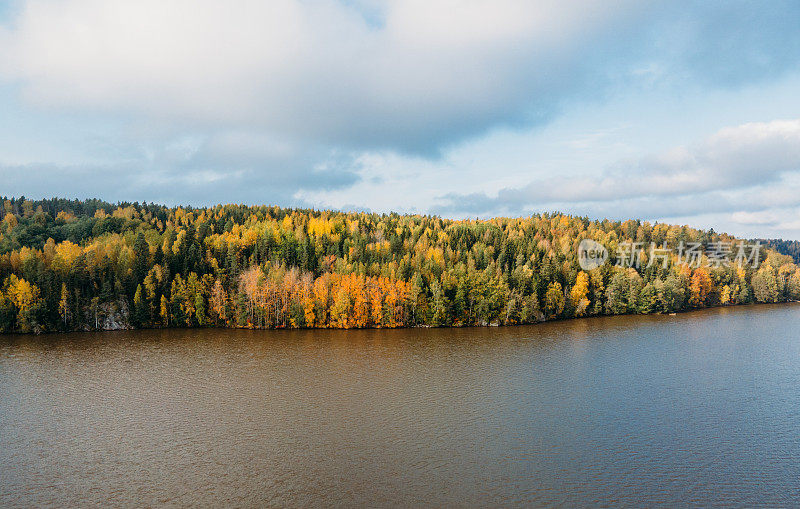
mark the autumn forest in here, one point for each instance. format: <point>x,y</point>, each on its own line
<point>88,265</point>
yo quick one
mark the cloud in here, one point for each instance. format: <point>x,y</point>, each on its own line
<point>408,75</point>
<point>195,170</point>
<point>738,168</point>
<point>319,70</point>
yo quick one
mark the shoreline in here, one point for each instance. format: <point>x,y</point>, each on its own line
<point>440,327</point>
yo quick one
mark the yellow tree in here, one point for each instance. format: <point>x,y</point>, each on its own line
<point>794,285</point>
<point>307,300</point>
<point>63,304</point>
<point>340,311</point>
<point>725,295</point>
<point>164,311</point>
<point>322,293</point>
<point>219,298</point>
<point>24,297</point>
<point>376,303</point>
<point>248,285</point>
<point>554,300</point>
<point>700,286</point>
<point>579,292</point>
<point>360,301</point>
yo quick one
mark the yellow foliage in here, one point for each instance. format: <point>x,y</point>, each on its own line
<point>579,292</point>
<point>65,255</point>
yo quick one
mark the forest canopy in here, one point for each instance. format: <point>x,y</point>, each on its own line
<point>86,265</point>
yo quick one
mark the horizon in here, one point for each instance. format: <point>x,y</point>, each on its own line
<point>402,214</point>
<point>598,220</point>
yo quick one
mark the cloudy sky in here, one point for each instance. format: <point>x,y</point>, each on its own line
<point>675,111</point>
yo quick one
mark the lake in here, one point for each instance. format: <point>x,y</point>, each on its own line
<point>697,409</point>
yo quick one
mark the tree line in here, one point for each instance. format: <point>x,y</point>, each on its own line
<point>86,265</point>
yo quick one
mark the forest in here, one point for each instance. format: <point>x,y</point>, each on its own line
<point>70,265</point>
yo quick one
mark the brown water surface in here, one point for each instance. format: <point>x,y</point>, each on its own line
<point>696,409</point>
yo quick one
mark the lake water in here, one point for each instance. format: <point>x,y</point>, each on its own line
<point>697,409</point>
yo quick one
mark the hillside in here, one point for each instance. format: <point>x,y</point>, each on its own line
<point>84,265</point>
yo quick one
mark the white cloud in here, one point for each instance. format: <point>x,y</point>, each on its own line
<point>427,73</point>
<point>764,217</point>
<point>745,156</point>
